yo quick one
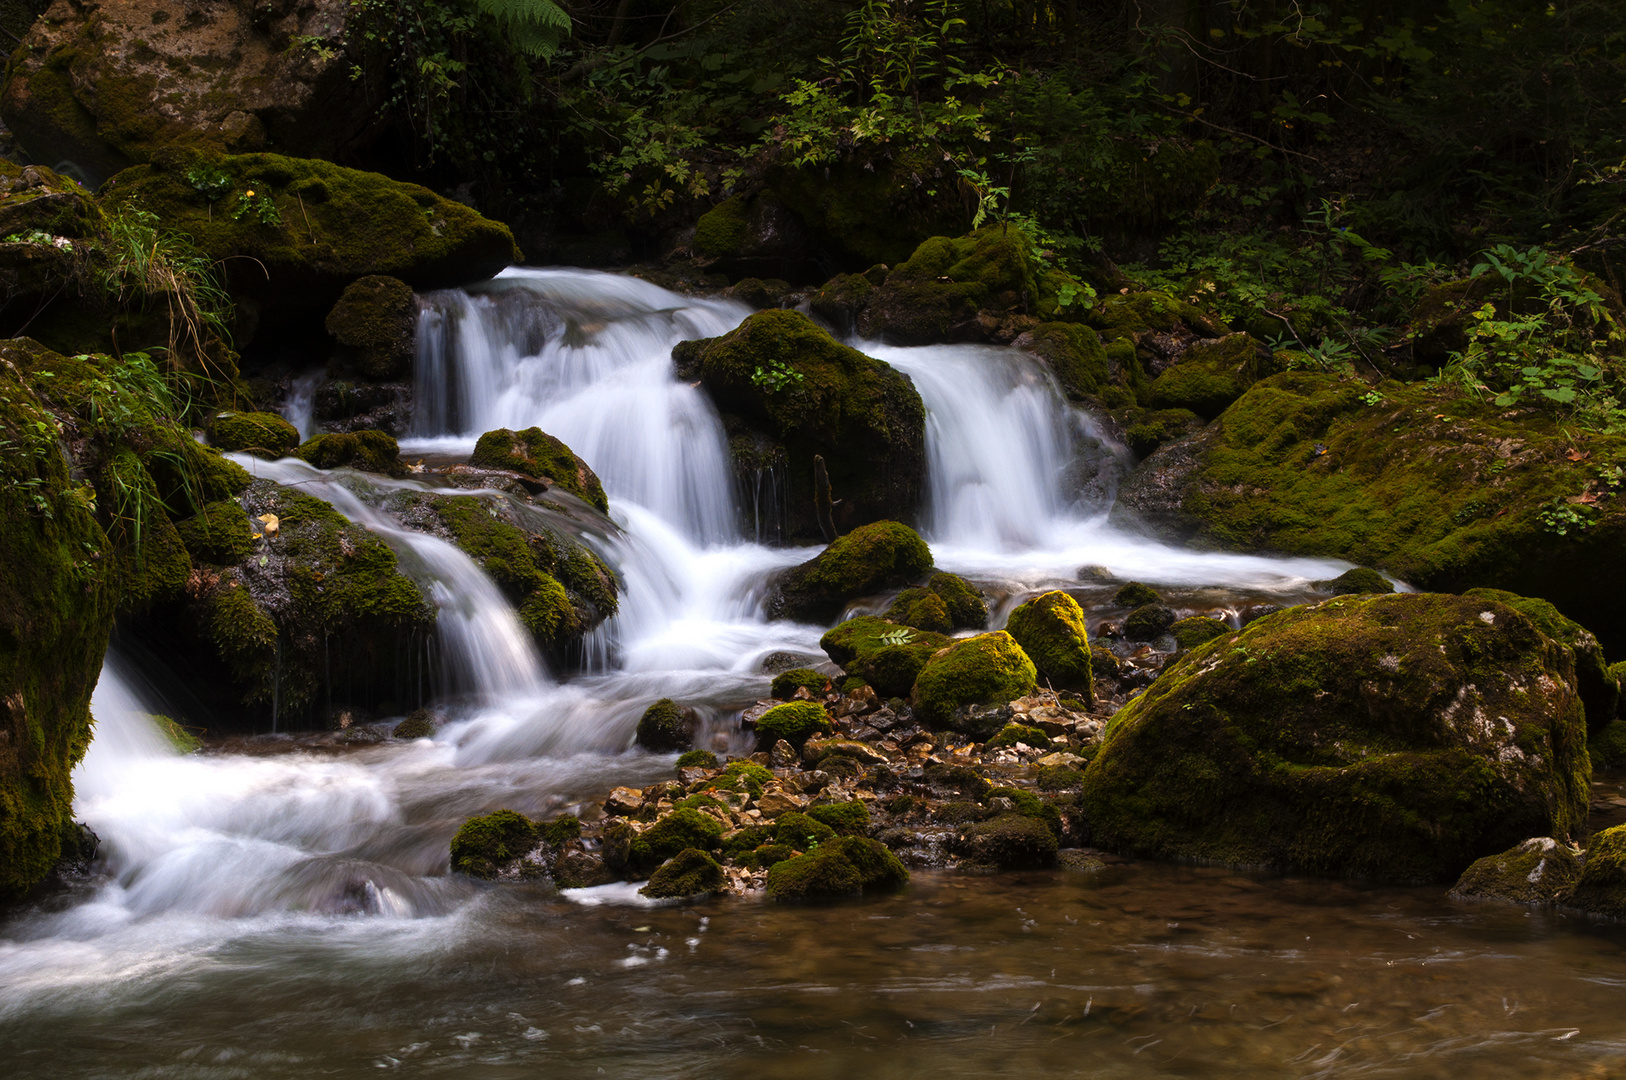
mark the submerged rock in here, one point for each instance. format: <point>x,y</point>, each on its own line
<point>1397,737</point>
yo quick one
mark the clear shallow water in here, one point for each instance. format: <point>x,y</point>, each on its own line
<point>276,908</point>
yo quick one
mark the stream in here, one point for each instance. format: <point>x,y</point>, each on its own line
<point>279,906</point>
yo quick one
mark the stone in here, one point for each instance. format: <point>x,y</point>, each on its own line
<point>625,802</point>
<point>1538,871</point>
<point>784,755</point>
<point>773,802</point>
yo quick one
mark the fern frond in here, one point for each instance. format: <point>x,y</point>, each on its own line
<point>534,27</point>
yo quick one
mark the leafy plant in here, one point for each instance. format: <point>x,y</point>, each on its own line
<point>149,264</point>
<point>901,636</point>
<point>774,376</point>
<point>260,204</point>
<point>1561,517</point>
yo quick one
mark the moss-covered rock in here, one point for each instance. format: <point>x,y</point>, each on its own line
<point>786,683</point>
<point>666,727</point>
<point>845,866</point>
<point>1136,594</point>
<point>1008,842</point>
<point>756,236</point>
<point>1598,686</point>
<point>966,607</point>
<point>1080,363</point>
<point>801,831</point>
<point>847,818</point>
<point>886,656</point>
<point>1050,628</point>
<point>367,451</point>
<point>1602,889</point>
<point>1013,733</point>
<point>56,611</point>
<point>311,228</point>
<point>1209,375</point>
<point>697,759</point>
<point>882,555</point>
<point>1443,490</point>
<point>501,844</point>
<point>219,534</point>
<point>990,669</point>
<point>1192,632</point>
<point>922,609</point>
<point>873,209</point>
<point>691,872</point>
<point>1538,871</point>
<point>375,323</point>
<point>265,435</point>
<point>1149,622</point>
<point>681,829</point>
<point>1397,737</point>
<point>782,378</point>
<point>1360,580</point>
<point>1145,430</point>
<point>420,724</point>
<point>536,454</point>
<point>794,721</point>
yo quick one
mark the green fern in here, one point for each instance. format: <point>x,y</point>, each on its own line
<point>901,636</point>
<point>534,27</point>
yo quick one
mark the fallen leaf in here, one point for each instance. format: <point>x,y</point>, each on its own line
<point>1577,455</point>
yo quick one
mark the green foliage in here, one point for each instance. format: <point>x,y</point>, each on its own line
<point>534,27</point>
<point>775,375</point>
<point>148,265</point>
<point>258,205</point>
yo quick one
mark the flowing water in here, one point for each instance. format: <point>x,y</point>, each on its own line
<point>280,906</point>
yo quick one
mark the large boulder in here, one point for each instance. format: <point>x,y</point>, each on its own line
<point>536,454</point>
<point>989,669</point>
<point>1391,737</point>
<point>1435,487</point>
<point>885,655</point>
<point>778,378</point>
<point>882,555</point>
<point>56,611</point>
<point>107,85</point>
<point>293,233</point>
<point>1050,628</point>
<point>1598,686</point>
<point>375,324</point>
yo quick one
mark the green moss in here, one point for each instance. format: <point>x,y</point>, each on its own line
<point>673,833</point>
<point>989,669</point>
<point>921,608</point>
<point>665,727</point>
<point>1050,628</point>
<point>1602,890</point>
<point>745,776</point>
<point>1075,356</point>
<point>746,839</point>
<point>769,854</point>
<point>872,557</point>
<point>966,608</point>
<point>1211,374</point>
<point>1598,686</point>
<point>1192,632</point>
<point>1357,581</point>
<point>786,683</point>
<point>847,819</point>
<point>1349,738</point>
<point>1146,431</point>
<point>691,872</point>
<point>374,323</point>
<point>887,657</point>
<point>367,451</point>
<point>701,802</point>
<point>1008,842</point>
<point>537,454</point>
<point>1058,778</point>
<point>1538,871</point>
<point>865,419</point>
<point>487,846</point>
<point>419,725</point>
<point>219,534</point>
<point>243,636</point>
<point>1148,623</point>
<point>1013,733</point>
<point>721,230</point>
<point>1135,594</point>
<point>801,831</point>
<point>697,759</point>
<point>265,435</point>
<point>794,721</point>
<point>842,867</point>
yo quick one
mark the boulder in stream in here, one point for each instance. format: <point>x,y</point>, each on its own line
<point>989,669</point>
<point>536,454</point>
<point>1050,628</point>
<point>886,656</point>
<point>843,866</point>
<point>1389,737</point>
<point>881,555</point>
<point>1539,871</point>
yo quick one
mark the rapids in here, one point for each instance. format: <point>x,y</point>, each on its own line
<point>273,907</point>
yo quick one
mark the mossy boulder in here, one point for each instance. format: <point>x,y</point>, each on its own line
<point>1149,622</point>
<point>873,208</point>
<point>881,555</point>
<point>681,829</point>
<point>1210,375</point>
<point>1539,871</point>
<point>57,601</point>
<point>1395,737</point>
<point>1050,629</point>
<point>990,669</point>
<point>219,534</point>
<point>1136,594</point>
<point>1194,631</point>
<point>666,727</point>
<point>375,324</point>
<point>846,866</point>
<point>420,724</point>
<point>262,434</point>
<point>846,818</point>
<point>1602,889</point>
<point>1362,579</point>
<point>691,872</point>
<point>1080,363</point>
<point>311,228</point>
<point>786,683</point>
<point>500,845</point>
<point>366,451</point>
<point>781,378</point>
<point>1011,734</point>
<point>1597,684</point>
<point>538,455</point>
<point>801,831</point>
<point>756,236</point>
<point>794,721</point>
<point>966,607</point>
<point>1008,842</point>
<point>922,609</point>
<point>697,759</point>
<point>1435,486</point>
<point>886,656</point>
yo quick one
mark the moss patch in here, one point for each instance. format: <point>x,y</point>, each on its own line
<point>989,669</point>
<point>265,435</point>
<point>1538,871</point>
<point>887,657</point>
<point>691,872</point>
<point>1192,632</point>
<point>872,557</point>
<point>665,727</point>
<point>794,721</point>
<point>842,867</point>
<point>375,322</point>
<point>966,607</point>
<point>672,834</point>
<point>366,451</point>
<point>786,683</point>
<point>537,454</point>
<point>494,844</point>
<point>922,609</point>
<point>1050,629</point>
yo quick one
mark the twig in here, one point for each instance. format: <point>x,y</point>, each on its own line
<point>307,218</point>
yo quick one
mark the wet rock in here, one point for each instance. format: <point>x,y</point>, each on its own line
<point>346,405</point>
<point>420,724</point>
<point>667,726</point>
<point>691,872</point>
<point>264,435</point>
<point>1148,623</point>
<point>1078,862</point>
<point>840,867</point>
<point>794,722</point>
<point>375,324</point>
<point>989,669</point>
<point>1050,629</point>
<point>786,683</point>
<point>1602,889</point>
<point>502,845</point>
<point>536,454</point>
<point>1599,687</point>
<point>784,756</point>
<point>881,555</point>
<point>888,657</point>
<point>1539,871</point>
<point>1358,581</point>
<point>774,803</point>
<point>577,869</point>
<point>364,451</point>
<point>625,802</point>
<point>1192,632</point>
<point>1010,841</point>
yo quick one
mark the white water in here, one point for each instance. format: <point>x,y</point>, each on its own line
<point>300,408</point>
